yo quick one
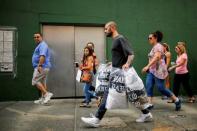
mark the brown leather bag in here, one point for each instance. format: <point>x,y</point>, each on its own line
<point>86,76</point>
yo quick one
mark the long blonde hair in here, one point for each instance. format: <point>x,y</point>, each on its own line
<point>181,46</point>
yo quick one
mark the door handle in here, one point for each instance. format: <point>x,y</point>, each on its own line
<point>76,64</point>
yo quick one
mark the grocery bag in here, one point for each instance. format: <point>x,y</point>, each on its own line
<point>78,76</point>
<point>135,90</point>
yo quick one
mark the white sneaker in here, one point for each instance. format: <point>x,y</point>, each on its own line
<point>39,101</point>
<point>93,122</point>
<point>92,115</point>
<point>145,117</point>
<point>47,97</point>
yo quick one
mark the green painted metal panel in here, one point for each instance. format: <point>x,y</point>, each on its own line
<point>136,19</point>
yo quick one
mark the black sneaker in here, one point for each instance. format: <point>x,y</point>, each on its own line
<point>178,105</point>
<point>150,107</point>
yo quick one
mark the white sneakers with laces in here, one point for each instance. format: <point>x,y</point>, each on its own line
<point>95,122</point>
<point>39,101</point>
<point>47,97</point>
<point>145,117</point>
<point>91,121</point>
<point>44,99</point>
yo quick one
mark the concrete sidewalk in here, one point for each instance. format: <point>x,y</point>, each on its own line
<point>65,114</point>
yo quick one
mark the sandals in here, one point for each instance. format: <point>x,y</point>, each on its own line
<point>87,105</point>
<point>190,100</point>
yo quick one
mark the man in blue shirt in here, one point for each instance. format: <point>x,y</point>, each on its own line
<point>41,64</point>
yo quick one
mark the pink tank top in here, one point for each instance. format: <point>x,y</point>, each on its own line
<point>181,69</point>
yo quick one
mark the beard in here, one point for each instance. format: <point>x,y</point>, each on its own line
<point>109,34</point>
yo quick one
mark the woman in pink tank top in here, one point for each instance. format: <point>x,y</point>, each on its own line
<point>181,72</point>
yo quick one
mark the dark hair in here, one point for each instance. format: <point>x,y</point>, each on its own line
<point>91,44</point>
<point>158,35</point>
<point>90,54</point>
<point>38,33</point>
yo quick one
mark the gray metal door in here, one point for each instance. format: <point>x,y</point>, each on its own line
<point>66,44</point>
<point>61,79</point>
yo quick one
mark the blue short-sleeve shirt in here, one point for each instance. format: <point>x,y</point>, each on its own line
<point>42,49</point>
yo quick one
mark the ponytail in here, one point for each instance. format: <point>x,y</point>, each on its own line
<point>158,35</point>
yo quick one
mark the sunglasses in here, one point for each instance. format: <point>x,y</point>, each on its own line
<point>150,38</point>
<point>36,36</point>
<point>177,48</point>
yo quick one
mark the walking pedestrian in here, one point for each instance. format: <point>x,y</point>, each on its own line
<point>87,69</point>
<point>122,57</point>
<point>181,72</point>
<point>157,71</point>
<point>41,64</point>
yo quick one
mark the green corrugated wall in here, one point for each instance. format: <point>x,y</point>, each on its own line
<point>177,19</point>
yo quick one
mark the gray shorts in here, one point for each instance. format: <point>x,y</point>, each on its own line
<point>40,77</point>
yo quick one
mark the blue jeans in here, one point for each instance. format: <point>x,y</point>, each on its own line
<point>151,80</point>
<point>87,92</point>
<point>102,109</point>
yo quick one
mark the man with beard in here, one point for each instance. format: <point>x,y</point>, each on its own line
<point>122,57</point>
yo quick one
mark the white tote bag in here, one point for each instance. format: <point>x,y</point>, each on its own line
<point>78,77</point>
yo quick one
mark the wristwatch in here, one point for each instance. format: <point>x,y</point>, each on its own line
<point>39,65</point>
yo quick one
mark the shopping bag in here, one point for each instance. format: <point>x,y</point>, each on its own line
<point>102,79</point>
<point>78,76</point>
<point>117,90</point>
<point>135,88</point>
<point>132,80</point>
